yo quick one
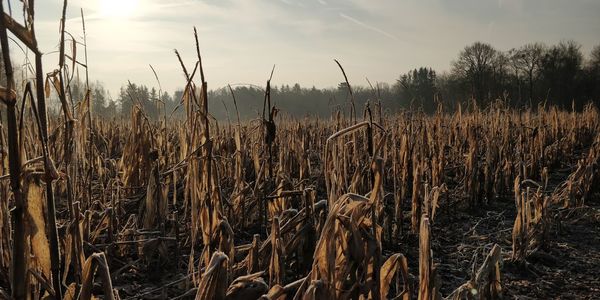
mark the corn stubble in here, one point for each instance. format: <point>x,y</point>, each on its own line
<point>237,208</point>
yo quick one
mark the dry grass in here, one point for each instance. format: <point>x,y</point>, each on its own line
<point>273,209</point>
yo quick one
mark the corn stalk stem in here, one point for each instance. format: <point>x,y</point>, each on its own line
<point>19,267</point>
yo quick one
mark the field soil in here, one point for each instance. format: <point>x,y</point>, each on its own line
<point>566,267</point>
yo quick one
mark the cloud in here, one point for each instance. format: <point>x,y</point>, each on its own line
<point>367,26</point>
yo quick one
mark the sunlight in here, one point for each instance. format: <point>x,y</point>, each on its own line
<point>118,9</point>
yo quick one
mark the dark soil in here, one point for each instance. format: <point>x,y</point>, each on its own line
<point>567,267</point>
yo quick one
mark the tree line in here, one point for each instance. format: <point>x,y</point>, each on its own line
<point>528,76</point>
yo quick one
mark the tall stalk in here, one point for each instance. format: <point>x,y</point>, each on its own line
<point>9,97</point>
<point>51,208</point>
<point>27,35</point>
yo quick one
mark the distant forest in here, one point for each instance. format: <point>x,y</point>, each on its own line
<point>531,75</point>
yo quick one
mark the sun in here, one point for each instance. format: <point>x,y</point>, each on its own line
<point>118,9</point>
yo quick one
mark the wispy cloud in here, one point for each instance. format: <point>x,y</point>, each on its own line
<point>370,27</point>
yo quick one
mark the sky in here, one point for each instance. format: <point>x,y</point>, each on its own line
<point>241,40</point>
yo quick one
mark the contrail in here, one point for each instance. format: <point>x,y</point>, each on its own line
<point>367,26</point>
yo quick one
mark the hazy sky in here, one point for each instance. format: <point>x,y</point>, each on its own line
<point>240,40</point>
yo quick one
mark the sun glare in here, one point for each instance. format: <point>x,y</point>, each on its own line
<point>118,9</point>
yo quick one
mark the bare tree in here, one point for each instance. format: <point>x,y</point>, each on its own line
<point>475,63</point>
<point>560,73</point>
<point>594,62</point>
<point>528,59</point>
<point>593,74</point>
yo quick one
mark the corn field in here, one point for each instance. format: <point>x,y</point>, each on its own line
<point>480,203</point>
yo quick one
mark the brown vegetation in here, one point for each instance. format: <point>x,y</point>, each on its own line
<point>278,208</point>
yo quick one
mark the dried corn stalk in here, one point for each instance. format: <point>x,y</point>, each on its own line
<point>532,222</point>
<point>35,227</point>
<point>213,282</point>
<point>485,284</point>
<point>389,269</point>
<point>96,262</point>
<point>429,284</point>
<point>250,286</point>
